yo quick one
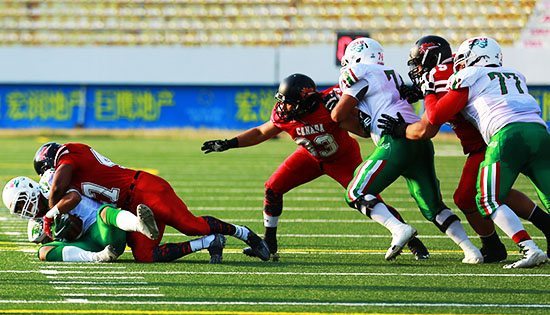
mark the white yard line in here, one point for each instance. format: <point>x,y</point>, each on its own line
<point>111,295</point>
<point>256,303</point>
<point>280,273</point>
<point>111,288</point>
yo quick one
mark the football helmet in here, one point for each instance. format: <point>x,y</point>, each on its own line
<point>35,232</point>
<point>21,196</point>
<point>363,50</point>
<point>44,158</point>
<point>45,183</point>
<point>428,52</point>
<point>478,52</point>
<point>297,95</point>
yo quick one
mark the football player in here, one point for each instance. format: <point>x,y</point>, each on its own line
<point>496,101</point>
<point>79,167</point>
<point>371,86</point>
<point>100,237</point>
<point>431,56</point>
<point>324,147</point>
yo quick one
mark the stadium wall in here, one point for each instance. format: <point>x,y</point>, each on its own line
<point>211,87</point>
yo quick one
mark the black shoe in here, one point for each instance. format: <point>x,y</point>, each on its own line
<point>257,246</point>
<point>216,249</point>
<point>494,254</point>
<point>271,244</point>
<point>418,249</point>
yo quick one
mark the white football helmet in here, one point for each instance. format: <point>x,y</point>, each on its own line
<point>21,195</point>
<point>478,52</point>
<point>45,182</point>
<point>35,231</point>
<point>363,50</point>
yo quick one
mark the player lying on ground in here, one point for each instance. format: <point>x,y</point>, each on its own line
<point>496,100</point>
<point>78,166</point>
<point>431,56</point>
<point>369,85</point>
<point>98,233</point>
<point>324,147</point>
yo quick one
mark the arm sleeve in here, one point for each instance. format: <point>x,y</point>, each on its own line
<point>442,110</point>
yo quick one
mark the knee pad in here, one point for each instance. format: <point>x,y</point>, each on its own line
<point>364,204</point>
<point>444,219</point>
<point>273,203</point>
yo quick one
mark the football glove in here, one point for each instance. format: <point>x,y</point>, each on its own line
<point>330,100</point>
<point>411,94</point>
<point>427,85</point>
<point>47,226</point>
<point>365,121</point>
<point>395,127</point>
<point>219,145</point>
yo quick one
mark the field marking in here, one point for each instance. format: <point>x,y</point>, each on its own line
<point>111,288</point>
<point>111,295</point>
<point>258,303</point>
<point>90,277</point>
<point>153,312</point>
<point>278,273</point>
<point>100,282</point>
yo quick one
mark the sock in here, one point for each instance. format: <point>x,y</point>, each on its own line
<point>270,221</point>
<point>510,224</point>
<point>455,230</point>
<point>490,241</point>
<point>126,221</point>
<point>382,215</point>
<point>201,243</point>
<point>73,253</point>
<point>241,232</point>
<point>218,226</point>
<point>541,220</point>
<point>171,251</point>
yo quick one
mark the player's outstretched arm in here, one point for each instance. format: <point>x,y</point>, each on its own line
<point>358,123</point>
<point>421,129</point>
<point>344,108</point>
<point>248,138</point>
<point>60,184</point>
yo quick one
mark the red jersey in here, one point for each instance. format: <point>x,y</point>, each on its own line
<point>94,175</point>
<point>469,136</point>
<point>317,133</point>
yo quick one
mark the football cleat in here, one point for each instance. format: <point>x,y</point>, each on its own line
<point>494,254</point>
<point>107,254</point>
<point>271,244</point>
<point>216,249</point>
<point>146,222</point>
<point>257,245</point>
<point>418,249</point>
<point>399,239</point>
<point>472,255</point>
<point>532,256</point>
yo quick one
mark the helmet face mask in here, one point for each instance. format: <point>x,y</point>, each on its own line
<point>21,196</point>
<point>428,52</point>
<point>44,158</point>
<point>297,95</point>
<point>478,52</point>
<point>363,50</point>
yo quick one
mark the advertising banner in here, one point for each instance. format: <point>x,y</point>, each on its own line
<point>95,106</point>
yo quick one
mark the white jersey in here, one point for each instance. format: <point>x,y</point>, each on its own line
<point>497,97</point>
<point>376,88</point>
<point>86,210</point>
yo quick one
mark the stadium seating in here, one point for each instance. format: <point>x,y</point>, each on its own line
<point>253,22</point>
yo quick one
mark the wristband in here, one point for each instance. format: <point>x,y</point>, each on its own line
<point>52,212</point>
<point>233,143</point>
